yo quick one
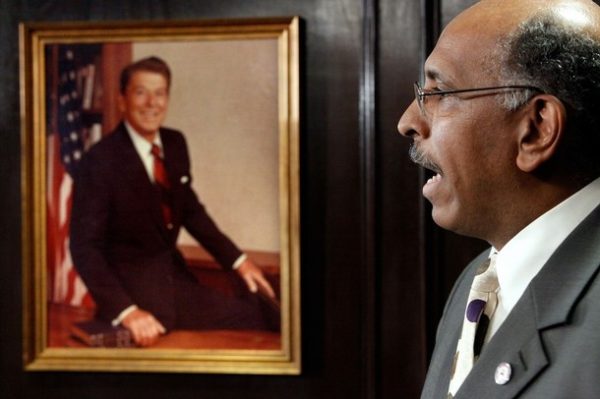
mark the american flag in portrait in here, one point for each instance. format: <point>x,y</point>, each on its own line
<point>66,143</point>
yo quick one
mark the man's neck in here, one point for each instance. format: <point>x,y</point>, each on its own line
<point>149,137</point>
<point>533,204</point>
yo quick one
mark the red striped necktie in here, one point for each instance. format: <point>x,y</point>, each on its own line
<point>162,180</point>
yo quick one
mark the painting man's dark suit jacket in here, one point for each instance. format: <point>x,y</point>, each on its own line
<point>551,338</point>
<point>119,241</point>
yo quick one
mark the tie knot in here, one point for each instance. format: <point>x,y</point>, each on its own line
<point>486,279</point>
<point>155,151</point>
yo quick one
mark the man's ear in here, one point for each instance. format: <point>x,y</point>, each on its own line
<point>542,130</point>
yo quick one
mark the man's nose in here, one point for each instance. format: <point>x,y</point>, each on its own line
<point>151,99</point>
<point>412,123</point>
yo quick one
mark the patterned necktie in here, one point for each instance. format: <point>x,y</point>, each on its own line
<point>162,181</point>
<point>480,307</point>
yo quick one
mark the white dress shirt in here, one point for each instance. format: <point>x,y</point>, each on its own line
<point>144,149</point>
<point>525,254</point>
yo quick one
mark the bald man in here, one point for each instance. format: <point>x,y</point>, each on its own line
<point>507,121</point>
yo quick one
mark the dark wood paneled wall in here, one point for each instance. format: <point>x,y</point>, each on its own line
<point>375,270</point>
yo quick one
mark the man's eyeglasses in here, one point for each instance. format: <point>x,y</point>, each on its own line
<point>421,94</point>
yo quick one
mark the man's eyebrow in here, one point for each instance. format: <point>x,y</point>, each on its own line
<point>433,74</point>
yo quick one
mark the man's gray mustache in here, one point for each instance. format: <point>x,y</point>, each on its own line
<point>421,159</point>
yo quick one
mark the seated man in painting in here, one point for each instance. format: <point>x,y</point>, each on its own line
<point>132,195</point>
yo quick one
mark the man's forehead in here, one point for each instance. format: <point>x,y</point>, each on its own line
<point>470,47</point>
<point>147,78</point>
<point>463,57</point>
<point>472,44</point>
<point>148,74</point>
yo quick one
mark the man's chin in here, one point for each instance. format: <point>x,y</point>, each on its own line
<point>443,219</point>
<point>148,129</point>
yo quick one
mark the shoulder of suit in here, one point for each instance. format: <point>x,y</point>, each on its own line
<point>110,148</point>
<point>170,133</point>
<point>109,142</point>
<point>172,136</point>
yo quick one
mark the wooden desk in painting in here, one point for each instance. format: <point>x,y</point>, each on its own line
<point>62,317</point>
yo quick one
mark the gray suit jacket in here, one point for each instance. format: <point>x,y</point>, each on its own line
<point>551,338</point>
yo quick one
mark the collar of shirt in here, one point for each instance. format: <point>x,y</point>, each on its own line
<point>525,254</point>
<point>143,148</point>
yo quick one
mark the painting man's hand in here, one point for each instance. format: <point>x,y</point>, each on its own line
<point>254,278</point>
<point>143,326</point>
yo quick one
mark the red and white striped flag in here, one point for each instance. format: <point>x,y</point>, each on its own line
<point>65,148</point>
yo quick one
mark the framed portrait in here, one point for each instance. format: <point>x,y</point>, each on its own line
<point>226,115</point>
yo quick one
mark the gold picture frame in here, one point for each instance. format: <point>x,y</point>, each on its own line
<point>47,345</point>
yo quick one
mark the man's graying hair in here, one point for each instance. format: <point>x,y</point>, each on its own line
<point>563,62</point>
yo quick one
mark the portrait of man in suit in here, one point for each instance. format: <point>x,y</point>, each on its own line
<point>132,196</point>
<point>507,121</point>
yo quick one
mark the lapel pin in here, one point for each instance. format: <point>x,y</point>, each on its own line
<point>503,373</point>
<point>184,179</point>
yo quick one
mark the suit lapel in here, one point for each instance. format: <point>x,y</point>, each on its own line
<point>171,155</point>
<point>517,343</point>
<point>175,161</point>
<point>545,304</point>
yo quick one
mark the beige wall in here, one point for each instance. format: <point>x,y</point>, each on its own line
<point>224,99</point>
